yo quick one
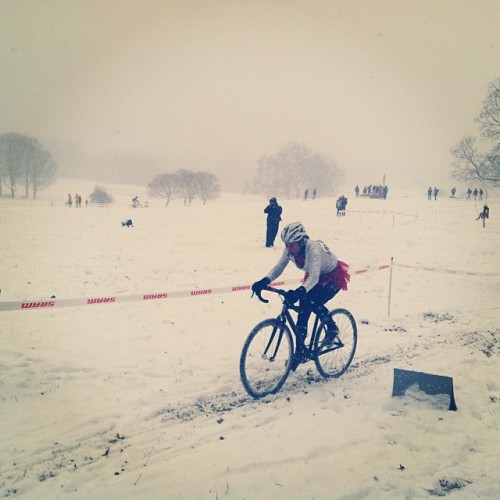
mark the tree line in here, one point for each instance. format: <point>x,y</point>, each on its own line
<point>186,184</point>
<point>24,162</point>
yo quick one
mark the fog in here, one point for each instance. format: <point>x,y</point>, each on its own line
<point>383,87</point>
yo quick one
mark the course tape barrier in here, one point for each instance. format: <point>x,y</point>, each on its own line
<point>51,303</point>
<point>78,302</point>
<point>443,270</point>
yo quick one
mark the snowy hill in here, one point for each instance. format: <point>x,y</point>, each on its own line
<point>143,399</point>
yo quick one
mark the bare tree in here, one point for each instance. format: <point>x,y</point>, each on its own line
<point>164,186</point>
<point>208,187</point>
<point>477,163</point>
<point>187,185</point>
<point>24,161</point>
<point>489,118</point>
<point>471,165</point>
<point>293,169</point>
<point>266,177</point>
<point>12,147</point>
<point>40,170</point>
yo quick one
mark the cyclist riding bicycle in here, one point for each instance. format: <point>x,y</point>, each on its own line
<point>325,276</point>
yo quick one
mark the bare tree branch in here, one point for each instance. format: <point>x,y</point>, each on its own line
<point>470,163</point>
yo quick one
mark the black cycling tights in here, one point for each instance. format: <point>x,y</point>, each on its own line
<point>315,300</point>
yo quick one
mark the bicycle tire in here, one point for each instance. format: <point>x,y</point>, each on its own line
<point>333,361</point>
<point>266,358</point>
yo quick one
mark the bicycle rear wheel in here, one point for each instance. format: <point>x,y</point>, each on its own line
<point>334,360</point>
<point>266,357</point>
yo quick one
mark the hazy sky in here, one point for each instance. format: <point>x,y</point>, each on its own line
<point>382,86</point>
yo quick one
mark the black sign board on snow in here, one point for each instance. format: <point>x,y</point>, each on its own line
<point>428,383</point>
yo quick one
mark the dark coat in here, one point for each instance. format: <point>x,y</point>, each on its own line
<point>273,211</point>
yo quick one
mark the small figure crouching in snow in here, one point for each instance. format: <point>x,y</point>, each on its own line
<point>127,223</point>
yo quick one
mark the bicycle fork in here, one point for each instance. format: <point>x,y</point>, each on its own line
<point>277,330</point>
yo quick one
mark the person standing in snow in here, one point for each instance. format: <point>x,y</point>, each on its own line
<point>485,214</point>
<point>273,211</point>
<point>343,204</point>
<point>325,276</point>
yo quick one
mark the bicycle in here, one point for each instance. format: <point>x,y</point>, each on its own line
<point>269,352</point>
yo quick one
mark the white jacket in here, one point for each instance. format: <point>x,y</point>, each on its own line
<point>319,260</point>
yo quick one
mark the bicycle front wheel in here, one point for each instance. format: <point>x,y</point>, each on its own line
<point>334,360</point>
<point>266,357</point>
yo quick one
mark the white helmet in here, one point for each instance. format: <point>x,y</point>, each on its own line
<point>293,232</point>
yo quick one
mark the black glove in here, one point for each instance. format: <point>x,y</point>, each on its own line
<point>293,296</point>
<point>258,286</point>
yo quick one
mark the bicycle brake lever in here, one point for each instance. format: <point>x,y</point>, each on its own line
<point>259,296</point>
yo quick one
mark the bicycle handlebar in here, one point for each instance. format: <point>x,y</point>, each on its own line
<point>269,289</point>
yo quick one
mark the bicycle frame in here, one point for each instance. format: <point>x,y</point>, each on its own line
<point>285,317</point>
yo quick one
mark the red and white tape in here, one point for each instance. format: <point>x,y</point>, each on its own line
<point>371,268</point>
<point>51,303</point>
<point>388,212</point>
<point>444,270</point>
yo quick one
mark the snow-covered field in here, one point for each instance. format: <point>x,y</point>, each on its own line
<point>143,399</point>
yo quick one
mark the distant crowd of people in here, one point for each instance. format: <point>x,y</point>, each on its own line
<point>476,194</point>
<point>431,192</point>
<point>314,193</point>
<point>373,191</point>
<point>77,200</point>
<point>274,211</point>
